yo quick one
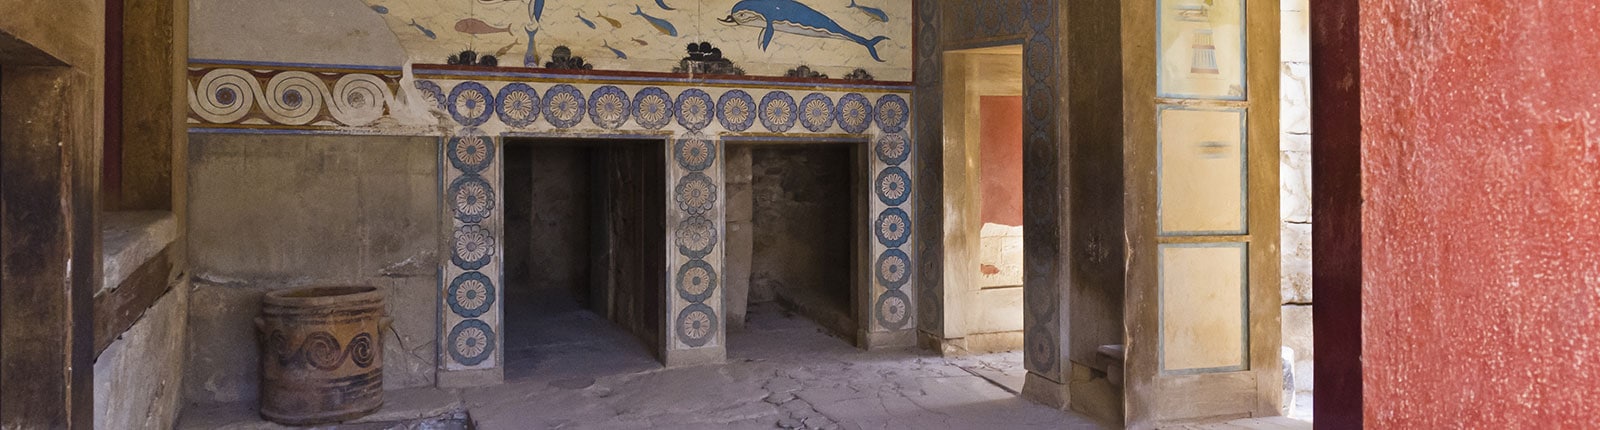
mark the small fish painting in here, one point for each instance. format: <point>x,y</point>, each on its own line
<point>474,26</point>
<point>502,52</point>
<point>536,10</point>
<point>614,23</point>
<point>380,9</point>
<point>663,5</point>
<point>586,21</point>
<point>873,12</point>
<point>619,53</point>
<point>425,31</point>
<point>660,24</point>
<point>641,42</point>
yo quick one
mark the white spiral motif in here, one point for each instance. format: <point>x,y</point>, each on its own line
<point>294,98</point>
<point>224,95</point>
<point>358,99</point>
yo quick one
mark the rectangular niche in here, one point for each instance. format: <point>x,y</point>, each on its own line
<point>1204,293</point>
<point>1201,49</point>
<point>1202,171</point>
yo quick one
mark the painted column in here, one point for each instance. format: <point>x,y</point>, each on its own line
<point>694,331</point>
<point>470,318</point>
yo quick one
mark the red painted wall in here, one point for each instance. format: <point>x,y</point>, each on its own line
<point>1001,159</point>
<point>1481,227</point>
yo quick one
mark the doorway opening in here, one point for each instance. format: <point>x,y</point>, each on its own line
<point>585,230</point>
<point>983,233</point>
<point>796,213</point>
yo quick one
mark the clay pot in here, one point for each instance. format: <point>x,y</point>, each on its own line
<point>321,354</point>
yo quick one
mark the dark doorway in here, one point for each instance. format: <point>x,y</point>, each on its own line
<point>794,220</point>
<point>585,233</point>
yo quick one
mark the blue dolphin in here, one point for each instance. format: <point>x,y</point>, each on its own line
<point>790,16</point>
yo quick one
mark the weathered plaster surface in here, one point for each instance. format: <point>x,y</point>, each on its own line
<point>1481,218</point>
<point>292,31</point>
<point>269,212</point>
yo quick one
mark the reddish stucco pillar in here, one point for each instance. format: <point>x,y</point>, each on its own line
<point>1474,221</point>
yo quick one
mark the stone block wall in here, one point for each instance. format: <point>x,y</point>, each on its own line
<point>138,380</point>
<point>1295,188</point>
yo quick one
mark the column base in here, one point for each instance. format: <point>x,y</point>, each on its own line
<point>886,339</point>
<point>1043,391</point>
<point>469,378</point>
<point>695,357</point>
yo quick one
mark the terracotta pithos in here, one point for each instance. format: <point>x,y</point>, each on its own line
<point>322,354</point>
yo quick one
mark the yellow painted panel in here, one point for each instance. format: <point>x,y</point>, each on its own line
<point>1203,307</point>
<point>1202,171</point>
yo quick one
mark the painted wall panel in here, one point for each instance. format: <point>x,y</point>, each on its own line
<point>1203,307</point>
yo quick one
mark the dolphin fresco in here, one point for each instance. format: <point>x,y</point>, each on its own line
<point>790,16</point>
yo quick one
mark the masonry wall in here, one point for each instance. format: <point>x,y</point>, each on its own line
<point>139,379</point>
<point>1480,212</point>
<point>271,212</point>
<point>1294,197</point>
<point>801,234</point>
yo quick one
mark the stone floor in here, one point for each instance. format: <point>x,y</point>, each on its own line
<point>575,370</point>
<point>570,369</point>
<point>1274,423</point>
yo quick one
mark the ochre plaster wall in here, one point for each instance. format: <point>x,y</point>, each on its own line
<point>1481,223</point>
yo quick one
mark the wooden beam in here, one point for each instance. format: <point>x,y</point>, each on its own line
<point>116,310</point>
<point>48,244</point>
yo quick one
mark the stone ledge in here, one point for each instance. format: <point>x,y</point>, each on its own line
<point>130,239</point>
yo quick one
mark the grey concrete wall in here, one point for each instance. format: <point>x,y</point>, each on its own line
<point>269,212</point>
<point>138,380</point>
<point>802,230</point>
